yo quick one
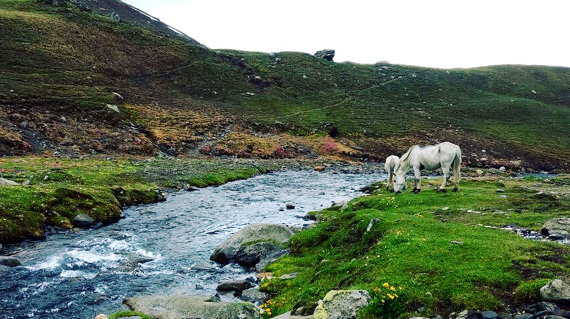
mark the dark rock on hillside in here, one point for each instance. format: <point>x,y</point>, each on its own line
<point>327,54</point>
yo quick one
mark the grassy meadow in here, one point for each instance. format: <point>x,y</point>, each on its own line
<point>444,252</point>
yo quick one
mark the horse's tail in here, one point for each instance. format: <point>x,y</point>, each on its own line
<point>457,165</point>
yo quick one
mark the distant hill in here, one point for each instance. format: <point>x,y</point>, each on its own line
<point>112,79</point>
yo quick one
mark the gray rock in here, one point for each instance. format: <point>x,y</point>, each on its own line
<point>288,315</point>
<point>236,286</point>
<point>327,54</point>
<point>290,206</point>
<point>195,307</point>
<point>7,182</point>
<point>9,261</point>
<point>556,291</point>
<point>252,244</point>
<point>557,227</point>
<point>83,220</point>
<point>341,304</point>
<point>469,314</point>
<point>489,314</point>
<point>254,295</point>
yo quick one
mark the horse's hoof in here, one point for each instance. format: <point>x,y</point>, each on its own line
<point>455,189</point>
<point>416,190</point>
<point>441,190</point>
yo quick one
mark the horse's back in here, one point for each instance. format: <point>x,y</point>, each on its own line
<point>391,162</point>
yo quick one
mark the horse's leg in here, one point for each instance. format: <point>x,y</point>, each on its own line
<point>445,170</point>
<point>390,182</point>
<point>417,181</point>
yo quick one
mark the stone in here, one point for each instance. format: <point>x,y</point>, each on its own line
<point>9,261</point>
<point>83,221</point>
<point>327,54</point>
<point>288,315</point>
<point>289,276</point>
<point>264,275</point>
<point>320,168</point>
<point>290,206</point>
<point>341,304</point>
<point>469,314</point>
<point>556,291</point>
<point>101,316</point>
<point>237,286</point>
<point>489,314</point>
<point>557,226</point>
<point>254,295</point>
<point>252,244</point>
<point>479,172</point>
<point>179,307</point>
<point>7,182</point>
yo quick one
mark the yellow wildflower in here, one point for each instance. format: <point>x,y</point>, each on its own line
<point>386,285</point>
<point>390,296</point>
<point>392,288</point>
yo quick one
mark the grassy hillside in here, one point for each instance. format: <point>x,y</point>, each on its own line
<point>64,71</point>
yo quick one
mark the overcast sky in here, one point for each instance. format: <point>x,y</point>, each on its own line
<point>432,33</point>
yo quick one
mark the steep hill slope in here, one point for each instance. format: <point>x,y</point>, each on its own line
<point>76,81</point>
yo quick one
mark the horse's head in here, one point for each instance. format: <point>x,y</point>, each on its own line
<point>399,182</point>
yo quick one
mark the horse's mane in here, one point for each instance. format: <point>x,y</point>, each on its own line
<point>404,160</point>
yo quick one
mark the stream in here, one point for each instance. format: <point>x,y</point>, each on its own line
<point>162,248</point>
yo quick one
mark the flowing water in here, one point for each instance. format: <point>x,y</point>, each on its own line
<point>162,248</point>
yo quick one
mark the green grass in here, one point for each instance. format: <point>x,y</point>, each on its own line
<point>60,189</point>
<point>435,246</point>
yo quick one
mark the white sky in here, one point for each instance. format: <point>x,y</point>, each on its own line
<point>432,33</point>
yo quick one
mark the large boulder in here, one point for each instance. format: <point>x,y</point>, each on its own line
<point>341,304</point>
<point>237,286</point>
<point>254,244</point>
<point>327,54</point>
<point>195,307</point>
<point>556,291</point>
<point>559,227</point>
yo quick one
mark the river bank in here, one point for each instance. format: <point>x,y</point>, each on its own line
<point>160,248</point>
<point>51,192</point>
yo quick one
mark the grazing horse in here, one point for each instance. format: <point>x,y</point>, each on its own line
<point>391,163</point>
<point>444,155</point>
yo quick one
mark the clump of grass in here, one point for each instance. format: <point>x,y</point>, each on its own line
<point>529,291</point>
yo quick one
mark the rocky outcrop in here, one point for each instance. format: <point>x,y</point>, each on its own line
<point>195,307</point>
<point>556,291</point>
<point>327,54</point>
<point>557,227</point>
<point>254,244</point>
<point>341,304</point>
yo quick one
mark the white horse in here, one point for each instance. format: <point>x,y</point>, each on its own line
<point>391,163</point>
<point>444,155</point>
